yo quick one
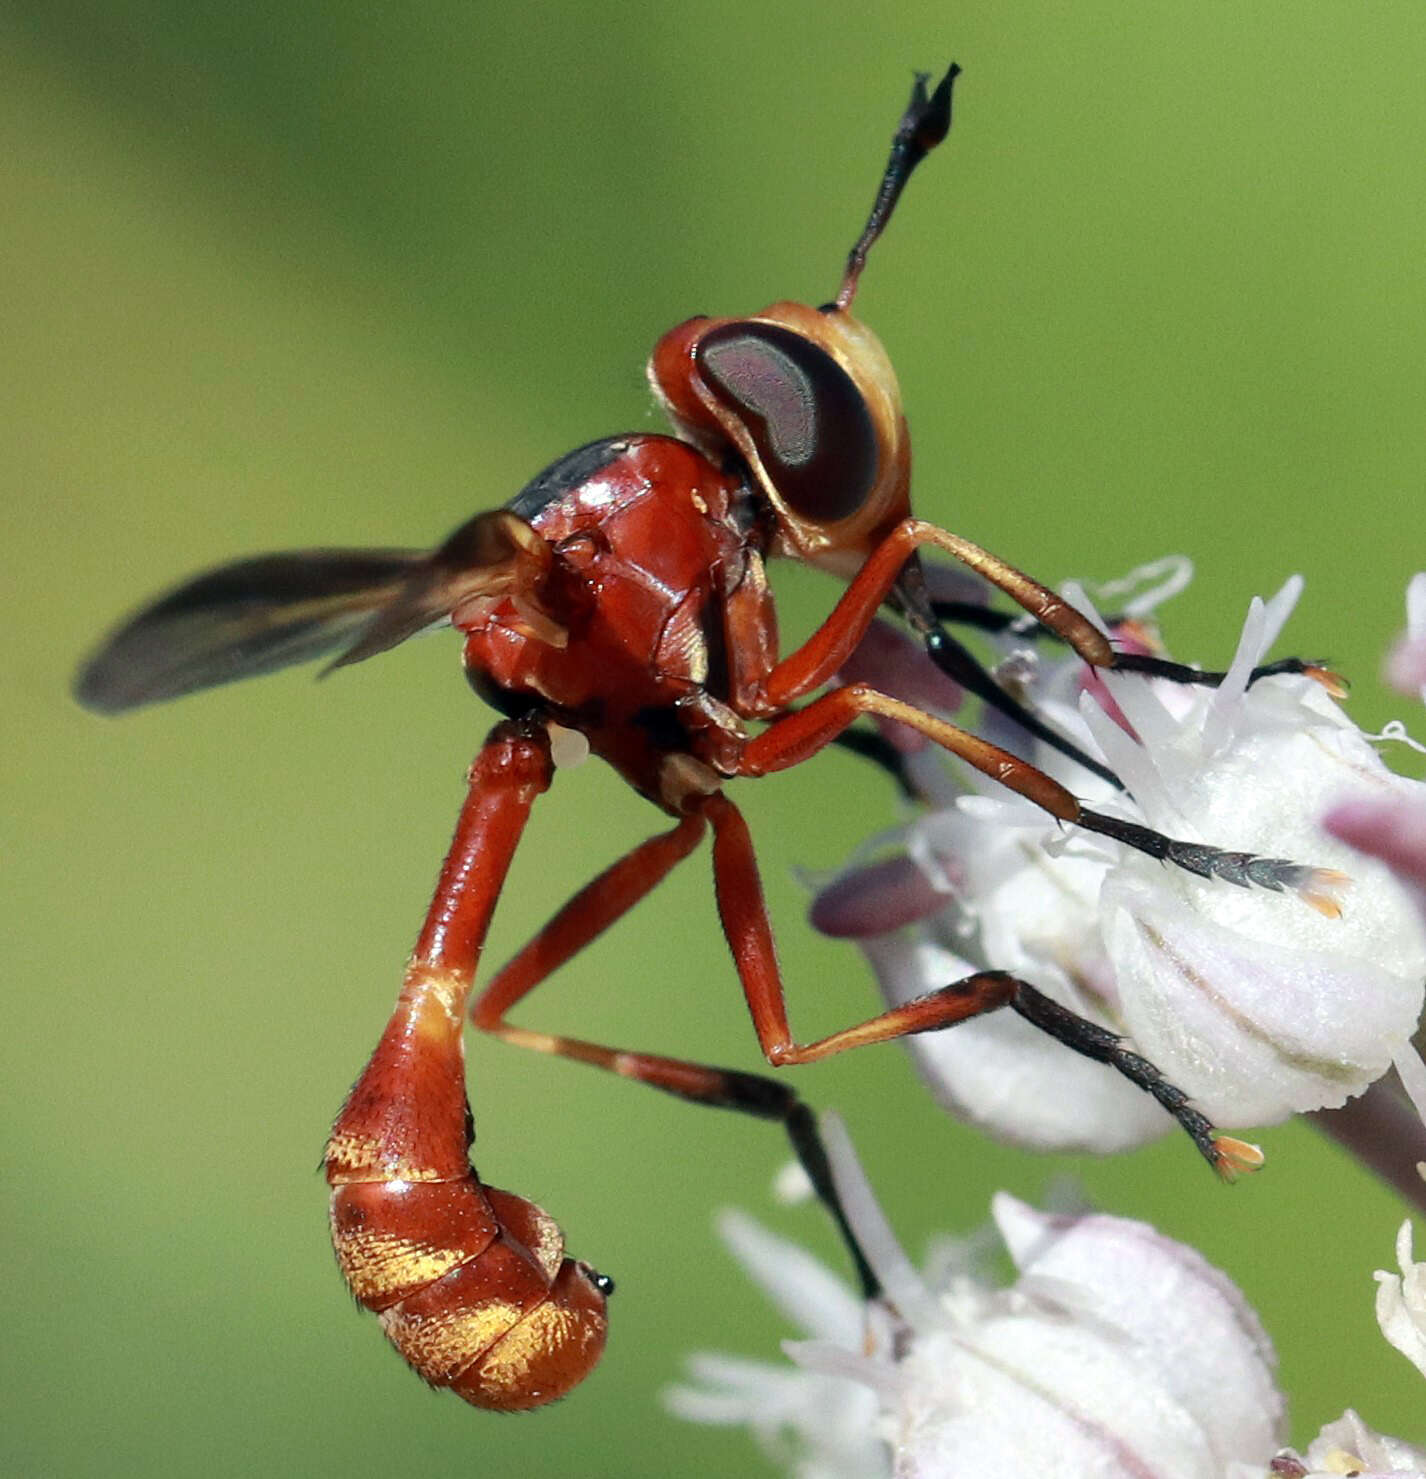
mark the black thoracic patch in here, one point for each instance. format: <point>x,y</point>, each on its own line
<point>664,728</point>
<point>567,473</point>
<point>505,701</point>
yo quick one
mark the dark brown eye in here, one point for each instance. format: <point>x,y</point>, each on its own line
<point>807,419</point>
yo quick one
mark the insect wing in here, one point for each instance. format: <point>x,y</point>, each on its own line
<point>241,620</point>
<point>494,554</point>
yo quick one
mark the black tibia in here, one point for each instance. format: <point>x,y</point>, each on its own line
<point>751,1093</point>
<point>961,665</point>
<point>882,753</point>
<point>988,619</point>
<point>1245,869</point>
<point>1021,624</point>
<point>1178,672</point>
<point>1097,1042</point>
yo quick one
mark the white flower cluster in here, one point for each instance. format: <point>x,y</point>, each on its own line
<point>1256,1005</point>
<point>1117,1353</point>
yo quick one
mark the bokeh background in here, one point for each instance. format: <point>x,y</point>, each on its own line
<point>284,275</point>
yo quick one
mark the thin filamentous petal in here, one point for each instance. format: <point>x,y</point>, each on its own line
<point>904,1287</point>
<point>1131,762</point>
<point>815,1427</point>
<point>797,1283</point>
<point>1226,703</point>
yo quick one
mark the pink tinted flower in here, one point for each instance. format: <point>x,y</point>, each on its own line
<point>1347,1446</point>
<point>1115,1353</point>
<point>1392,827</point>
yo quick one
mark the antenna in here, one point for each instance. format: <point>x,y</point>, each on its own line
<point>923,125</point>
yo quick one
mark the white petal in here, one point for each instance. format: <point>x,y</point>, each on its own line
<point>1135,596</point>
<point>1254,1004</point>
<point>1401,1303</point>
<point>1194,1330</point>
<point>1406,664</point>
<point>1416,605</point>
<point>801,1286</point>
<point>1225,704</point>
<point>1130,761</point>
<point>1279,608</point>
<point>904,1287</point>
<point>815,1427</point>
<point>731,1390</point>
<point>1142,706</point>
<point>1253,1030</point>
<point>1349,1438</point>
<point>1030,1393</point>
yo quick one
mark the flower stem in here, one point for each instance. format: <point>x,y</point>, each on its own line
<point>1384,1133</point>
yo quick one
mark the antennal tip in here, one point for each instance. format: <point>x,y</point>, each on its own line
<point>926,121</point>
<point>934,121</point>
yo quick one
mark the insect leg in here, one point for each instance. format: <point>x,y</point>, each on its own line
<point>877,750</point>
<point>986,619</point>
<point>890,572</point>
<point>740,903</point>
<point>585,917</point>
<point>588,914</point>
<point>886,575</point>
<point>880,578</point>
<point>796,737</point>
<point>470,1283</point>
<point>1057,617</point>
<point>959,663</point>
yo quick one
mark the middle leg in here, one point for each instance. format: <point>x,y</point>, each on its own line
<point>745,922</point>
<point>799,735</point>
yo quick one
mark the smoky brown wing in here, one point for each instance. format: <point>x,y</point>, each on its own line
<point>241,620</point>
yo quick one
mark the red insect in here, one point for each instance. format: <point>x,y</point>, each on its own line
<point>622,595</point>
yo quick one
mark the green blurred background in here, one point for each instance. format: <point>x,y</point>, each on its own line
<point>323,273</point>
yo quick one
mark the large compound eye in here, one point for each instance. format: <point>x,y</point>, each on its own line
<point>807,419</point>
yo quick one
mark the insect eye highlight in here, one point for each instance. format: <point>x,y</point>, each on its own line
<point>807,419</point>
